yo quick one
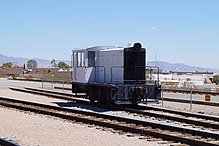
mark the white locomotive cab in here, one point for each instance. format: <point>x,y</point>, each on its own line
<point>100,64</point>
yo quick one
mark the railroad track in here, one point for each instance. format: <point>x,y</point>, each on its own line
<point>174,115</point>
<point>179,100</point>
<point>120,124</point>
<point>4,142</point>
<point>188,91</point>
<point>193,101</point>
<point>69,89</point>
<point>180,117</point>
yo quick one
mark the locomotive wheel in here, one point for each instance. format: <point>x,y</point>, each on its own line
<point>100,95</point>
<point>91,99</point>
<point>91,94</point>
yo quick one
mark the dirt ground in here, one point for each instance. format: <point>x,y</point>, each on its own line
<point>33,129</point>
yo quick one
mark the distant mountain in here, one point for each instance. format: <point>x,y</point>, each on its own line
<point>165,66</point>
<point>179,67</point>
<point>42,63</point>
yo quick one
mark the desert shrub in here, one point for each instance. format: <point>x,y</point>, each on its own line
<point>2,75</point>
<point>55,78</point>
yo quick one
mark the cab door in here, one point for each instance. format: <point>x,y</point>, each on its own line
<point>91,69</point>
<point>79,69</point>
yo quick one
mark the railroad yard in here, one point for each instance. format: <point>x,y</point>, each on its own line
<point>109,73</point>
<point>56,117</point>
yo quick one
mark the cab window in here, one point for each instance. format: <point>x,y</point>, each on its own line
<point>91,58</point>
<point>80,59</point>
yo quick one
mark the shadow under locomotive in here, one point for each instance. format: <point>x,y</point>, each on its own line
<point>82,106</point>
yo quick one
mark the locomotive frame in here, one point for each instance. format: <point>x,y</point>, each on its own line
<point>112,74</point>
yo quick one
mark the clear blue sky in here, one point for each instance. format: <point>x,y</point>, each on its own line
<point>176,31</point>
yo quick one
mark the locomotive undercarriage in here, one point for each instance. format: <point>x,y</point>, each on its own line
<point>135,93</point>
<point>118,94</point>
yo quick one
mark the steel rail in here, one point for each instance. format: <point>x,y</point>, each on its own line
<point>65,96</point>
<point>193,101</point>
<point>55,92</point>
<point>4,142</point>
<point>164,89</point>
<point>142,112</point>
<point>155,125</point>
<point>178,119</point>
<point>38,80</point>
<point>188,91</point>
<point>181,100</point>
<point>187,114</point>
<point>111,125</point>
<point>63,88</point>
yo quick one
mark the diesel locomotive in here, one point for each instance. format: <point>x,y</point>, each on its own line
<point>112,74</point>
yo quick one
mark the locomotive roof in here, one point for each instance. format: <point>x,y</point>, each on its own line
<point>96,48</point>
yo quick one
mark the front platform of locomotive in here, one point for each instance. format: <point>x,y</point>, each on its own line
<point>140,82</point>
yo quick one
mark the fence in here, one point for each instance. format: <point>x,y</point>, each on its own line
<point>191,96</point>
<point>49,83</point>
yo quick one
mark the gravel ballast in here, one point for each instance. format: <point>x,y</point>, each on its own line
<point>26,128</point>
<point>33,129</point>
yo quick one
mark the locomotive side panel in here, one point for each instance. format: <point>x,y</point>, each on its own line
<point>112,60</point>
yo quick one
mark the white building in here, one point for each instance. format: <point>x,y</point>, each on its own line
<point>186,79</point>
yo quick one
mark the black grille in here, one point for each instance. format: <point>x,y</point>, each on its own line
<point>134,64</point>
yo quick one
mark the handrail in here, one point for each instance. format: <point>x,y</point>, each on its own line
<point>151,67</point>
<point>158,71</point>
<point>111,72</point>
<point>104,71</point>
<point>95,68</point>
